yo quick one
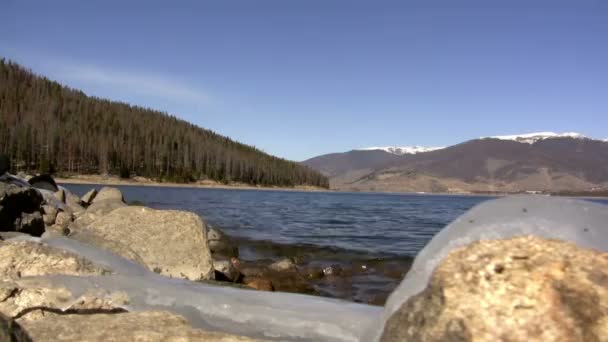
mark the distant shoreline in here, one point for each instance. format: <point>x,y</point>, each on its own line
<point>113,180</point>
<point>140,181</point>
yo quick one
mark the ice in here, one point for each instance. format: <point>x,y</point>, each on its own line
<point>281,316</point>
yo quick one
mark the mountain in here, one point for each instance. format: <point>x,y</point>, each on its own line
<point>401,150</point>
<point>544,161</point>
<point>47,127</point>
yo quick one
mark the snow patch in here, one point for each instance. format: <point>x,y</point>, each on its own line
<point>401,150</point>
<point>531,138</point>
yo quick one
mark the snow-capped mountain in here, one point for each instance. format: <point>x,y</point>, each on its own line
<point>531,138</point>
<point>401,150</point>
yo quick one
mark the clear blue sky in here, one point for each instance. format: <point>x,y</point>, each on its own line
<point>302,78</point>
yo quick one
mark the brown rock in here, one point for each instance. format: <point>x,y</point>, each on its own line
<point>520,289</point>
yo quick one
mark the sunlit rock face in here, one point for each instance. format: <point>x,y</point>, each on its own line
<point>520,289</point>
<point>170,242</point>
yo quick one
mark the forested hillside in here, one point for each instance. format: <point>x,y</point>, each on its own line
<point>47,127</point>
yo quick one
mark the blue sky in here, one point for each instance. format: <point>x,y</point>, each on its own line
<point>303,78</point>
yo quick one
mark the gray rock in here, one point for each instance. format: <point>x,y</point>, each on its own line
<point>49,214</point>
<point>89,196</point>
<point>108,194</point>
<point>173,243</point>
<point>63,219</point>
<point>73,202</point>
<point>60,195</point>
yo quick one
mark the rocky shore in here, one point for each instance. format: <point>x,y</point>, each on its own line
<point>95,268</point>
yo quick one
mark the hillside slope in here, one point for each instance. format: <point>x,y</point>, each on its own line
<point>490,164</point>
<point>45,126</point>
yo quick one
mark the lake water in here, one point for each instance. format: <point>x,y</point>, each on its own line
<point>397,224</point>
<point>376,223</point>
<point>372,236</point>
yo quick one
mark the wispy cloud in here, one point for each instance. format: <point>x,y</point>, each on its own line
<point>144,83</point>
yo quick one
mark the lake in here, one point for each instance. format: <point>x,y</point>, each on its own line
<point>370,238</point>
<point>395,224</point>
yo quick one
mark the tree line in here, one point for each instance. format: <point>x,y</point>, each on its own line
<point>47,127</point>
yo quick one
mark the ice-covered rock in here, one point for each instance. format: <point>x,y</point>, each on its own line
<point>151,326</point>
<point>520,289</point>
<point>580,222</point>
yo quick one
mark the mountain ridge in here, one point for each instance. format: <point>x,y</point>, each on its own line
<point>544,161</point>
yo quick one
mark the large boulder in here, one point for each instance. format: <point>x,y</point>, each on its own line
<point>132,326</point>
<point>20,209</point>
<point>520,289</point>
<point>169,242</point>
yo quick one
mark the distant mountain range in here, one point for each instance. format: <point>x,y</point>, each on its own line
<point>544,161</point>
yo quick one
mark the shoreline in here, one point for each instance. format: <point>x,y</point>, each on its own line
<point>100,180</point>
<point>140,181</point>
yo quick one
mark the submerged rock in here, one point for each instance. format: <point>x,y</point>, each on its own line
<point>171,242</point>
<point>220,244</point>
<point>520,289</point>
<point>260,284</point>
<point>284,264</point>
